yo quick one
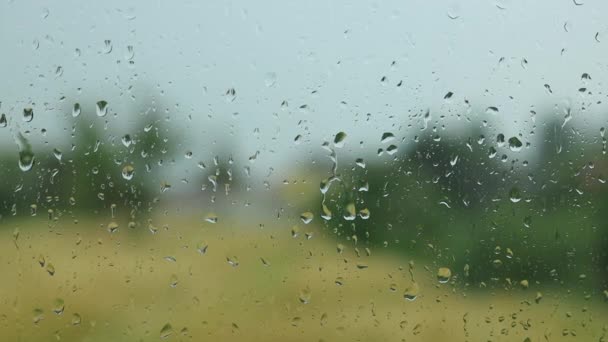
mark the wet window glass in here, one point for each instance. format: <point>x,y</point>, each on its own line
<point>303,171</point>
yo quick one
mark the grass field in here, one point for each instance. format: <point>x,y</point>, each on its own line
<point>128,285</point>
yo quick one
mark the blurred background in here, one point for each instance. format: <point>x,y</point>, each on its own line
<point>303,171</point>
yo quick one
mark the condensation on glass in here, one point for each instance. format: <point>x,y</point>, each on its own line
<point>303,171</point>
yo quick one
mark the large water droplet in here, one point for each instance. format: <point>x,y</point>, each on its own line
<point>26,161</point>
<point>386,137</point>
<point>351,212</point>
<point>28,114</point>
<point>515,144</point>
<point>443,275</point>
<point>57,153</point>
<point>102,108</point>
<point>307,217</point>
<point>76,110</point>
<point>127,172</point>
<point>326,212</point>
<point>411,292</point>
<point>340,139</point>
<point>514,195</point>
<point>126,140</point>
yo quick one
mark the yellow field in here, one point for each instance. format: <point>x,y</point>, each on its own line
<point>120,286</point>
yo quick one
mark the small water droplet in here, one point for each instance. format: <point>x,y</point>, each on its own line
<point>264,262</point>
<point>126,140</point>
<point>234,262</point>
<point>211,218</point>
<point>230,95</point>
<point>57,153</point>
<point>58,306</point>
<point>514,195</point>
<point>202,248</point>
<point>112,227</point>
<point>3,121</point>
<point>173,281</point>
<point>364,213</point>
<point>305,296</point>
<point>166,331</point>
<point>50,269</point>
<point>38,315</point>
<point>492,110</point>
<point>164,186</point>
<point>130,53</point>
<point>295,230</point>
<point>340,248</point>
<point>76,319</point>
<point>296,321</point>
<point>270,79</point>
<point>411,292</point>
<point>107,46</point>
<point>454,160</point>
<point>500,140</point>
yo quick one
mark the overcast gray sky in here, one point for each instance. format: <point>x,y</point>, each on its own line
<point>187,54</point>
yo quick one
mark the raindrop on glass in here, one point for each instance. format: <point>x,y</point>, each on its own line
<point>102,108</point>
<point>28,114</point>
